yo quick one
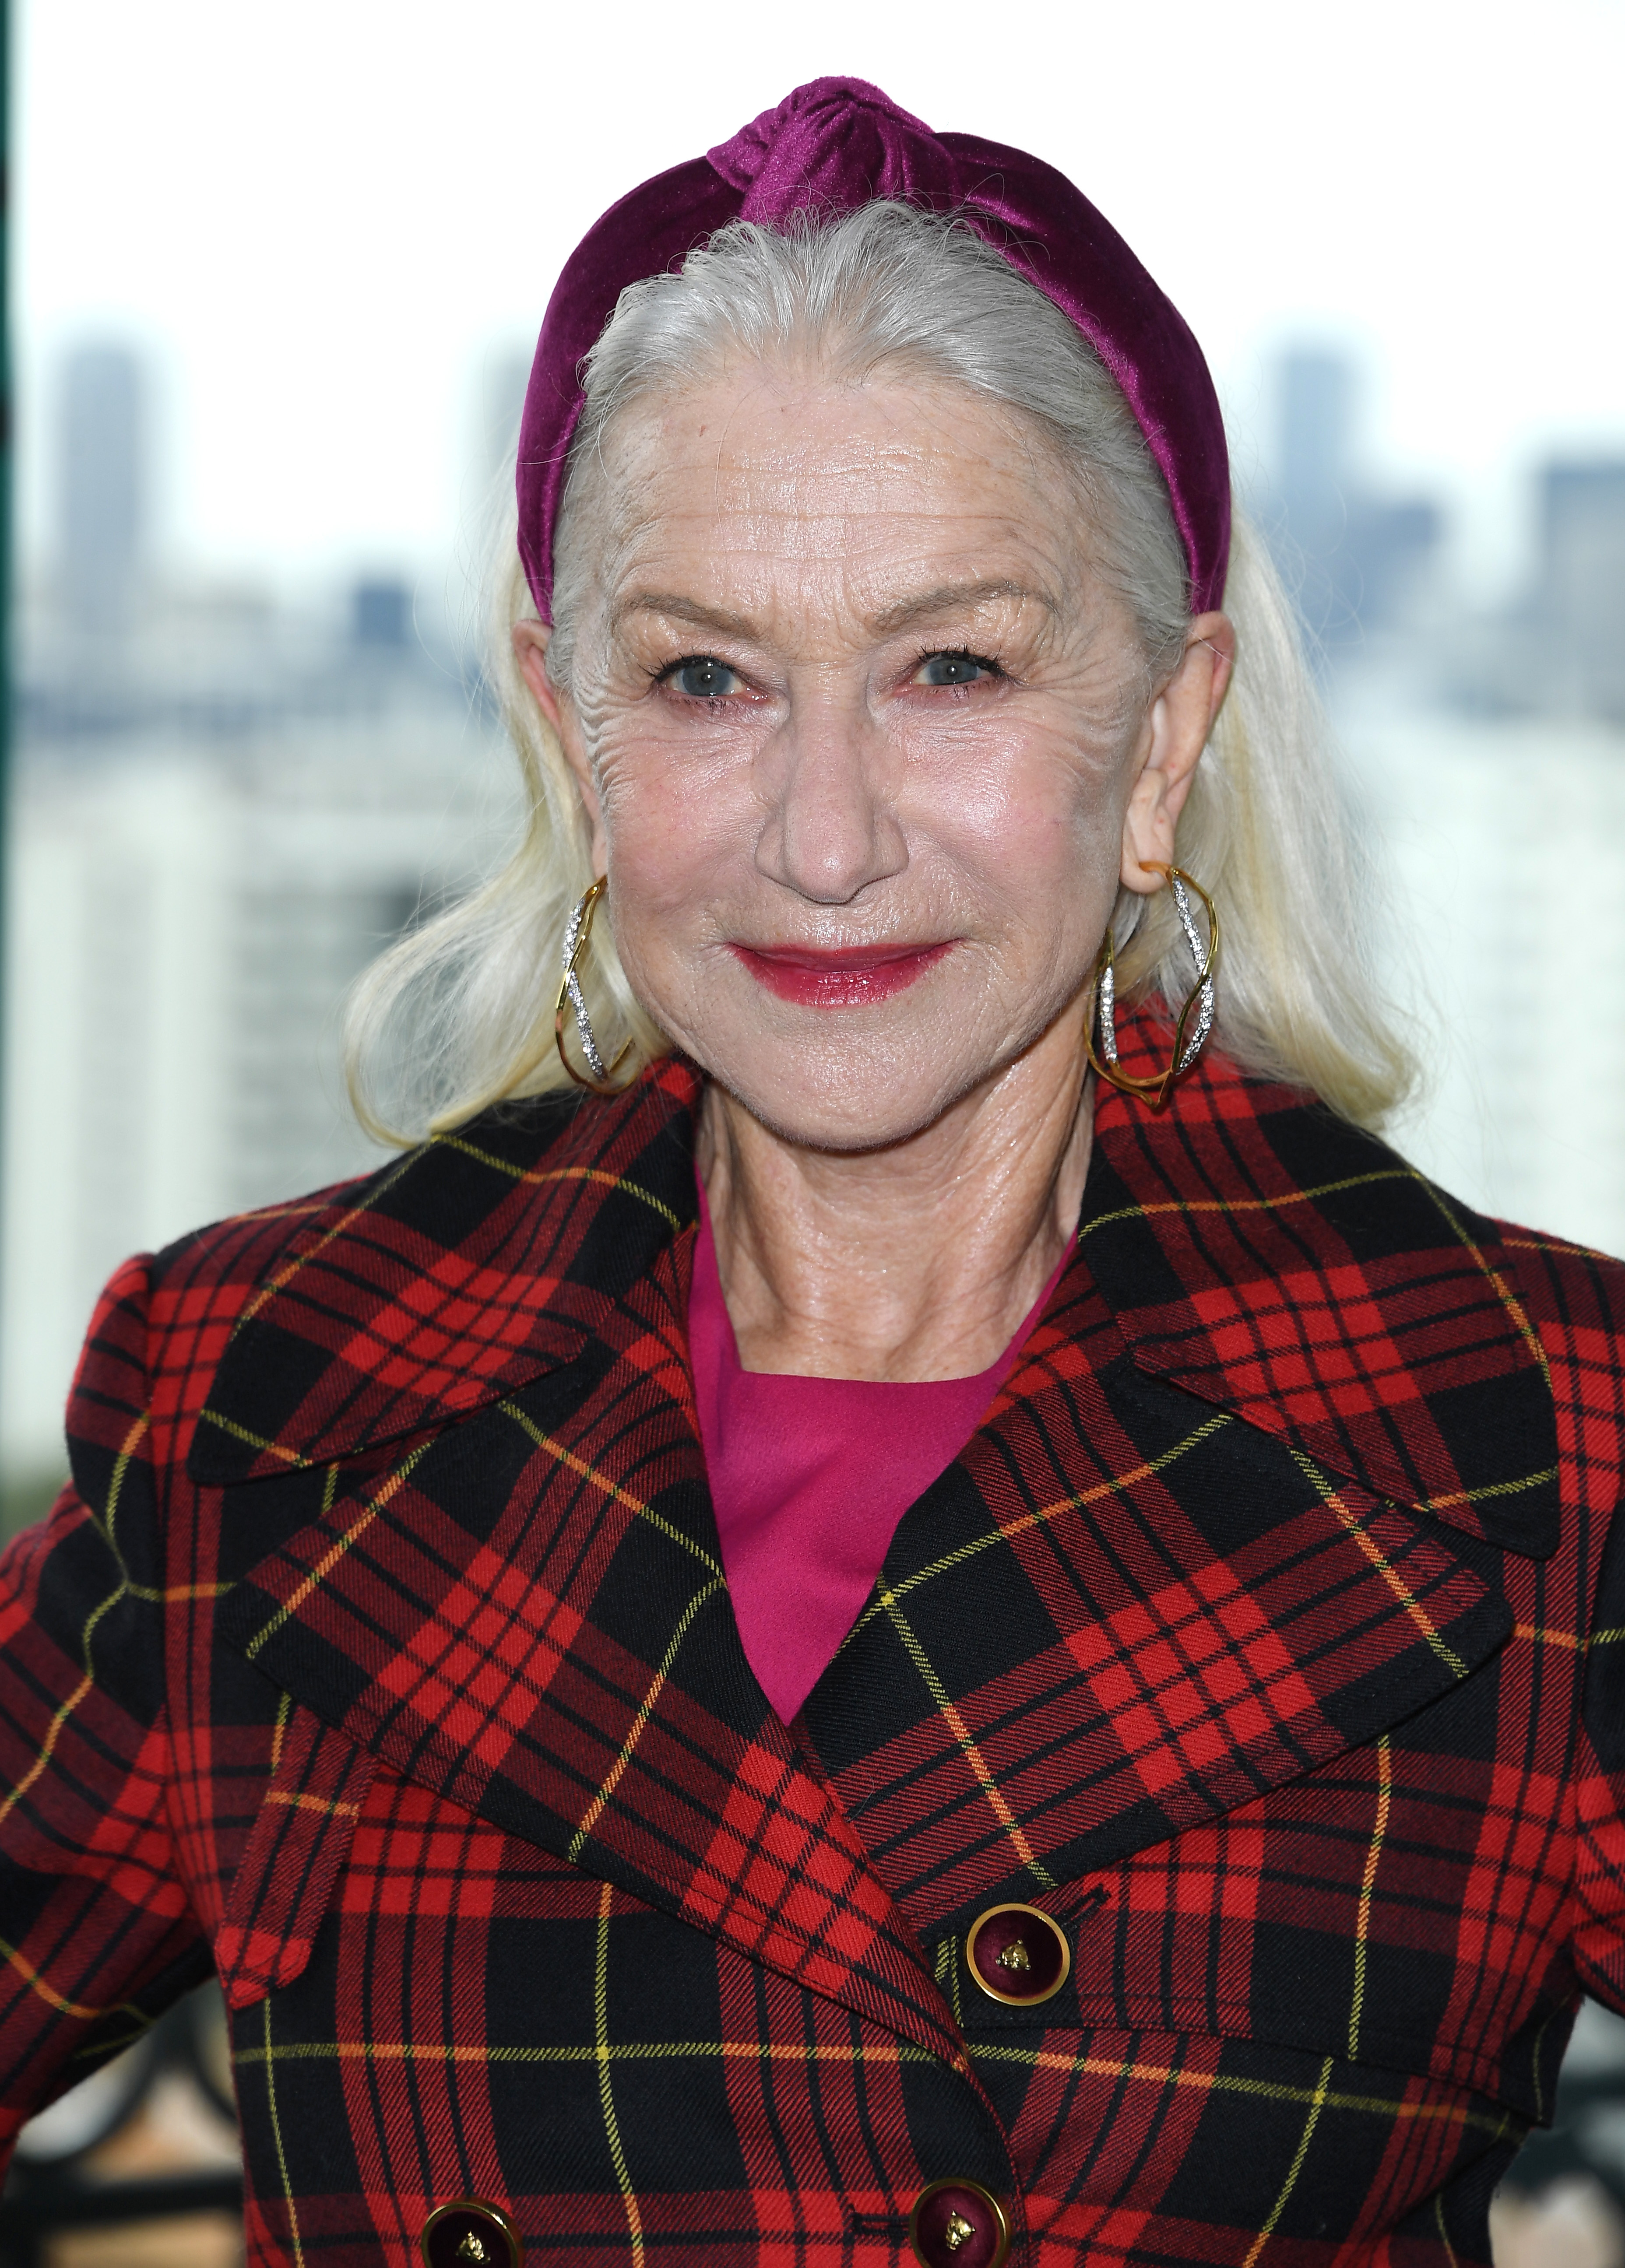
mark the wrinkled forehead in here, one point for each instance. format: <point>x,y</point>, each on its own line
<point>763,489</point>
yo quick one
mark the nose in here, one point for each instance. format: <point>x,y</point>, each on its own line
<point>830,829</point>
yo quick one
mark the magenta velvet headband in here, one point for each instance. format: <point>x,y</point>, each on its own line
<point>838,143</point>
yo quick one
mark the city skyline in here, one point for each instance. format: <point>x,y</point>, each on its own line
<point>318,272</point>
<point>111,639</point>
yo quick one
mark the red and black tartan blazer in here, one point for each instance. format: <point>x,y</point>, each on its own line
<point>1264,1637</point>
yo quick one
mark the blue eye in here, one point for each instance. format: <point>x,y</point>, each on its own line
<point>703,678</point>
<point>953,669</point>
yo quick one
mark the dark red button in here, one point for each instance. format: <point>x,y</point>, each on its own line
<point>471,2234</point>
<point>958,2224</point>
<point>1018,1955</point>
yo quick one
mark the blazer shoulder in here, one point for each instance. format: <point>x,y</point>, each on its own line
<point>1566,1286</point>
<point>1286,1265</point>
<point>226,1263</point>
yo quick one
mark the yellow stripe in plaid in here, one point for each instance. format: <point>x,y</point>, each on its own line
<point>1505,1292</point>
<point>1008,1531</point>
<point>595,1809</point>
<point>601,2018</point>
<point>613,1490</point>
<point>1450,2249</point>
<point>289,1457</point>
<point>805,2051</point>
<point>1261,2090</point>
<point>1362,1925</point>
<point>1233,1206</point>
<point>335,1552</point>
<point>1542,1479</point>
<point>314,1803</point>
<point>282,2156</point>
<point>115,1486</point>
<point>966,1740</point>
<point>53,1733</point>
<point>1295,2169</point>
<point>1331,1497</point>
<point>78,2010</point>
<point>561,1173</point>
<point>284,1276</point>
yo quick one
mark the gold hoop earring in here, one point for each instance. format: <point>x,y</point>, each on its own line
<point>1156,1090</point>
<point>578,929</point>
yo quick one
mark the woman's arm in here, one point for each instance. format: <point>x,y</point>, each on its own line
<point>96,1930</point>
<point>1599,1879</point>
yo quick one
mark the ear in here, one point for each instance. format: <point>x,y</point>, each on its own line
<point>530,643</point>
<point>1181,719</point>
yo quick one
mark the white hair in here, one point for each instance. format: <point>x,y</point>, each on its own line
<point>467,1001</point>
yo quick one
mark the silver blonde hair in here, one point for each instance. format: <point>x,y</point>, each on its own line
<point>465,1004</point>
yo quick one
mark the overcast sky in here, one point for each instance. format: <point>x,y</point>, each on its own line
<point>320,219</point>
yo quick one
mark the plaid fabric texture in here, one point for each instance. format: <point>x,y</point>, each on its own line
<point>1266,1636</point>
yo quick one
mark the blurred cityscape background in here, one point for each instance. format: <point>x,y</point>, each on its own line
<point>224,805</point>
<point>251,742</point>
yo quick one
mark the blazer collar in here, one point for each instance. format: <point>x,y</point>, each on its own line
<point>1254,1248</point>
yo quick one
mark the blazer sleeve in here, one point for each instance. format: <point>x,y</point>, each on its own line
<point>1599,1881</point>
<point>95,1925</point>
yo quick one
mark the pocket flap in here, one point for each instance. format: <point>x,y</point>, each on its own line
<point>299,1841</point>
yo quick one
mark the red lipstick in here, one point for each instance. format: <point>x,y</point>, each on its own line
<point>845,978</point>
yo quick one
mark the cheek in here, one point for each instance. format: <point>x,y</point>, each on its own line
<point>1038,822</point>
<point>671,827</point>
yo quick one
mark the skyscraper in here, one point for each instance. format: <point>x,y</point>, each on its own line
<point>1582,599</point>
<point>101,483</point>
<point>1353,557</point>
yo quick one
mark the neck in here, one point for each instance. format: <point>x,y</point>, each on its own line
<point>919,1261</point>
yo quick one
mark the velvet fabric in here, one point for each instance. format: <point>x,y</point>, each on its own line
<point>839,143</point>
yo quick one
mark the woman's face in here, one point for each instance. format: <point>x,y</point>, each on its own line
<point>857,725</point>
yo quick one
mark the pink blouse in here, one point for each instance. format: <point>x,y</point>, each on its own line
<point>809,1478</point>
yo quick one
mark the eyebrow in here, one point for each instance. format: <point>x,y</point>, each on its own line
<point>947,596</point>
<point>678,608</point>
<point>901,616</point>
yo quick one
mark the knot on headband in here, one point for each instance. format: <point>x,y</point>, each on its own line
<point>824,140</point>
<point>836,144</point>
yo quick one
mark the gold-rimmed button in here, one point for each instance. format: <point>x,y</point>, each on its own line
<point>959,2224</point>
<point>1017,1955</point>
<point>471,2234</point>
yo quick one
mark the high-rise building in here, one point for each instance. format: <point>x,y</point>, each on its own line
<point>1581,604</point>
<point>381,614</point>
<point>1316,405</point>
<point>101,484</point>
<point>187,916</point>
<point>1354,557</point>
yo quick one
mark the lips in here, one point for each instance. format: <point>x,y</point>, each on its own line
<point>849,976</point>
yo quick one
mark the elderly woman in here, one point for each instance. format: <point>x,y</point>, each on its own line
<point>864,1639</point>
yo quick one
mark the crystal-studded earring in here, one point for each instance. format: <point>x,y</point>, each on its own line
<point>1202,999</point>
<point>598,1079</point>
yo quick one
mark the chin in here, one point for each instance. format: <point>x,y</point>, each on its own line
<point>848,1099</point>
<point>808,1126</point>
<point>864,1079</point>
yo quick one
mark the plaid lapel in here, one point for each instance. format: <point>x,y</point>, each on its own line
<point>1277,1261</point>
<point>526,1610</point>
<point>1123,1610</point>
